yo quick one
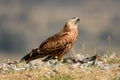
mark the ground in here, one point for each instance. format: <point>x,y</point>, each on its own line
<point>107,67</point>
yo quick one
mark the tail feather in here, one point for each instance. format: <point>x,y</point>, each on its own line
<point>25,58</point>
<point>34,54</point>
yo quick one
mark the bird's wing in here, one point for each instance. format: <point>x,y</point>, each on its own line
<point>56,42</point>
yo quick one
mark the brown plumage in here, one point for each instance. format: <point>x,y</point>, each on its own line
<point>57,45</point>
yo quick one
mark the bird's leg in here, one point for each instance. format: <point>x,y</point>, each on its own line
<point>61,59</point>
<point>61,56</point>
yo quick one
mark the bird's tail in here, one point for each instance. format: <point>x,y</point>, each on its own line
<point>34,54</point>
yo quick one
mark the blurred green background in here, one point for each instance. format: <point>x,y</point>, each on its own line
<point>24,24</point>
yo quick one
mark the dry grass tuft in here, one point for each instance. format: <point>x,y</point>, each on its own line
<point>74,71</point>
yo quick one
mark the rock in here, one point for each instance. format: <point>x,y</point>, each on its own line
<point>56,70</point>
<point>74,66</point>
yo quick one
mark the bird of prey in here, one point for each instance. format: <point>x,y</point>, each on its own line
<point>57,45</point>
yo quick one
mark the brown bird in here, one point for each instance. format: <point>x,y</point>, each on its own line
<point>57,45</point>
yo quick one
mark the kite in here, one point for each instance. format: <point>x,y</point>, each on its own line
<point>56,46</point>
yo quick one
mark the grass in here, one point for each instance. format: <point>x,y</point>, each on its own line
<point>66,73</point>
<point>109,60</point>
<point>92,75</point>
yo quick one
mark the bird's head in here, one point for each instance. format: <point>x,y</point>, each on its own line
<point>73,21</point>
<point>71,24</point>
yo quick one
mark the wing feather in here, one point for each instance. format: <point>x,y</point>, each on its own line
<point>56,42</point>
